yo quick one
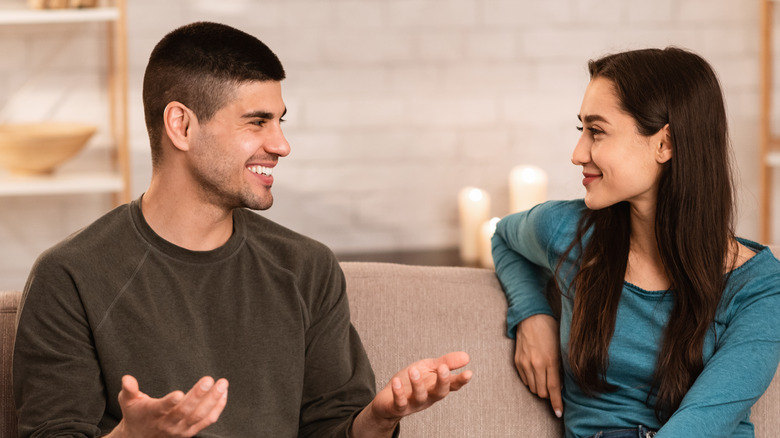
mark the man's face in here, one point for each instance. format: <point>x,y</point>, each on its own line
<point>234,153</point>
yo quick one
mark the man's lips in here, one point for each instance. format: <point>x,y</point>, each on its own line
<point>589,178</point>
<point>261,170</point>
<point>264,173</point>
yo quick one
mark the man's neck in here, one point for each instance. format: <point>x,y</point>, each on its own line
<point>185,220</point>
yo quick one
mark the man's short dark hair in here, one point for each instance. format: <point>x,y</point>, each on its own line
<point>200,65</point>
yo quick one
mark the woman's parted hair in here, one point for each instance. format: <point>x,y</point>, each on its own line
<point>693,224</point>
<point>199,65</point>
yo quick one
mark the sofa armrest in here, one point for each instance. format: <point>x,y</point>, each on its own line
<point>407,313</point>
<point>9,303</point>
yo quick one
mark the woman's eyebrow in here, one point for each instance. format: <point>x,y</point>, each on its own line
<point>592,118</point>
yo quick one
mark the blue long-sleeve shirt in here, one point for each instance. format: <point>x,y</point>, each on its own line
<point>741,352</point>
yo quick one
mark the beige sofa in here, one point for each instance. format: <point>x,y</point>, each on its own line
<point>405,313</point>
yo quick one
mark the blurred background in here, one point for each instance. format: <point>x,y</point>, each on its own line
<point>393,105</point>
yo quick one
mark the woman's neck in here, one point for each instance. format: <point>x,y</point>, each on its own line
<point>645,268</point>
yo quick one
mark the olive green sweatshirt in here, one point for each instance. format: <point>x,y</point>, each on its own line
<point>267,310</point>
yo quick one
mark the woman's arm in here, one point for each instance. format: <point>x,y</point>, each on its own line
<point>746,357</point>
<point>524,264</point>
<point>526,250</point>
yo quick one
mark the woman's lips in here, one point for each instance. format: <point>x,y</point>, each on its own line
<point>589,178</point>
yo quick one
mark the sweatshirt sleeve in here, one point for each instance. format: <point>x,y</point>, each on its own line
<point>746,357</point>
<point>53,355</point>
<point>525,258</point>
<point>338,381</point>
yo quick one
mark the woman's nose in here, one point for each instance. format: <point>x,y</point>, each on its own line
<point>581,153</point>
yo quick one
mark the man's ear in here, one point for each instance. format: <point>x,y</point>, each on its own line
<point>663,143</point>
<point>179,121</point>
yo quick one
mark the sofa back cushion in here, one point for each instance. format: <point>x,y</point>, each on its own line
<point>407,313</point>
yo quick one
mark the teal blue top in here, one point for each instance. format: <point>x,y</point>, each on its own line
<point>741,352</point>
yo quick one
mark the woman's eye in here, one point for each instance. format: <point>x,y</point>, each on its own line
<point>592,130</point>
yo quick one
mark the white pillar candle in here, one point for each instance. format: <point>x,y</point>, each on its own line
<point>485,244</point>
<point>474,207</point>
<point>527,187</point>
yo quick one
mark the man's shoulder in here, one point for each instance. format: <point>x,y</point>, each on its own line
<point>102,236</point>
<point>309,264</point>
<point>282,242</point>
<point>89,265</point>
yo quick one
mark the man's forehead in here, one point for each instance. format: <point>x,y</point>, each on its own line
<point>254,98</point>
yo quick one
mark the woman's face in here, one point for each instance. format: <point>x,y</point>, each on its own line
<point>618,163</point>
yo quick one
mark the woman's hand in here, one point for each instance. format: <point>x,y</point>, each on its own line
<point>538,358</point>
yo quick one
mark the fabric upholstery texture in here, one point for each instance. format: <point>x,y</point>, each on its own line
<point>9,302</point>
<point>406,313</point>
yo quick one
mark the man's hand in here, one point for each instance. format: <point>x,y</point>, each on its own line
<point>175,415</point>
<point>538,358</point>
<point>411,390</point>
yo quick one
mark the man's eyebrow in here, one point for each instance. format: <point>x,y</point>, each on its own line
<point>593,118</point>
<point>262,115</point>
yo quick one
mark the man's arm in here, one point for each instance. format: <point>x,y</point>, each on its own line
<point>413,389</point>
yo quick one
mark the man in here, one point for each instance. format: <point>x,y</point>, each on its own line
<point>185,283</point>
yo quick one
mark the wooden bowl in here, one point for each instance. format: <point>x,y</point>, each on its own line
<point>61,4</point>
<point>38,148</point>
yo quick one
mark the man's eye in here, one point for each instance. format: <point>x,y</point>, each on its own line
<point>579,128</point>
<point>259,122</point>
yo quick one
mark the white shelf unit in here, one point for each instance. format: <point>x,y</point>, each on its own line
<point>117,181</point>
<point>61,184</point>
<point>30,16</point>
<point>769,158</point>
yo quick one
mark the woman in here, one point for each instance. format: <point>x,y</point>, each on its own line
<point>664,318</point>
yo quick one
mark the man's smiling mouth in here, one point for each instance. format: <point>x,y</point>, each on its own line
<point>261,170</point>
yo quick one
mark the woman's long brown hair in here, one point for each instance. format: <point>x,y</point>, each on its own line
<point>693,224</point>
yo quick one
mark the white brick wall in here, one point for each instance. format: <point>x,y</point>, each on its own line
<point>394,105</point>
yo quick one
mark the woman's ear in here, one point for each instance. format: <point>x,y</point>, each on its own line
<point>178,121</point>
<point>663,140</point>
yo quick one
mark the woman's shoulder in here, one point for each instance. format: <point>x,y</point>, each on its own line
<point>549,227</point>
<point>755,277</point>
<point>755,258</point>
<point>556,217</point>
<point>571,207</point>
